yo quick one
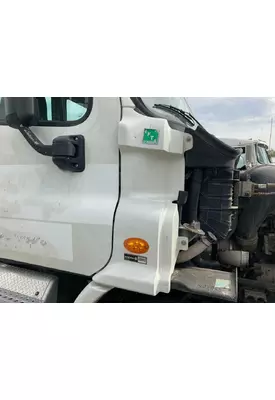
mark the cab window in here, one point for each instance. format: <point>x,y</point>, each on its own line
<point>63,110</point>
<point>58,111</point>
<point>242,159</point>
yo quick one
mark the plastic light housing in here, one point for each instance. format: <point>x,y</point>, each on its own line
<point>136,245</point>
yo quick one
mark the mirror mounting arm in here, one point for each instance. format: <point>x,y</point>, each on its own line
<point>67,152</point>
<point>34,142</point>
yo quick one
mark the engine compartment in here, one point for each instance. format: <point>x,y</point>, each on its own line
<point>244,227</point>
<point>211,182</point>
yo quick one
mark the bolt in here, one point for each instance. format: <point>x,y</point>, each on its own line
<point>183,242</point>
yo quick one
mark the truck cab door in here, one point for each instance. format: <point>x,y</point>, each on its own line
<point>55,218</point>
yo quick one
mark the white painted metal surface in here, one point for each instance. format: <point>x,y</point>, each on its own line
<point>59,219</point>
<point>64,221</point>
<point>151,177</point>
<point>92,293</point>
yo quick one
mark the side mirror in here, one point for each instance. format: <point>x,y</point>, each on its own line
<point>67,152</point>
<point>19,111</point>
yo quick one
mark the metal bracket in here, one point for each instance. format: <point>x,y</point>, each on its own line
<point>254,296</point>
<point>67,152</point>
<point>190,231</point>
<point>245,189</point>
<point>250,189</point>
<point>183,243</point>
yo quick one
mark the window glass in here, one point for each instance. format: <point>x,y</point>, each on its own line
<point>62,109</point>
<point>57,110</point>
<point>262,155</point>
<point>75,111</point>
<point>49,108</point>
<point>241,162</point>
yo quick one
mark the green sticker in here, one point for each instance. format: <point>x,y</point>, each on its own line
<point>150,136</point>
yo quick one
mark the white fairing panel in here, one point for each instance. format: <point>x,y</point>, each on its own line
<point>54,218</point>
<point>152,174</point>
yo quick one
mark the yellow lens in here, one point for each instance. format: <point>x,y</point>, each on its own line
<point>136,245</point>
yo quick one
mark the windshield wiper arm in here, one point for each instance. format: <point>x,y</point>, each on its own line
<point>177,111</point>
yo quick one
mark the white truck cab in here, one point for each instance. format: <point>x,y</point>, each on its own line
<point>254,151</point>
<point>90,180</point>
<point>100,195</point>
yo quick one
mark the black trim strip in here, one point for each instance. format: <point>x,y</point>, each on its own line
<point>140,106</point>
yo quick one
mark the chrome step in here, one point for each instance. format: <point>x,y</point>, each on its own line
<point>18,285</point>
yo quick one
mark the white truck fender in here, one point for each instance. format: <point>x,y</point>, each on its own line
<point>92,293</point>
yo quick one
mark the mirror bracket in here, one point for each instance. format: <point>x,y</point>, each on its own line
<point>67,152</point>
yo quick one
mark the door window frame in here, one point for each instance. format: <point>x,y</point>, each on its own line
<point>63,123</point>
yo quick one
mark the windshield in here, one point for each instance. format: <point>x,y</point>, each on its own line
<point>178,102</point>
<point>262,155</point>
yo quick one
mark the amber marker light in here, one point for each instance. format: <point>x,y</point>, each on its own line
<point>136,245</point>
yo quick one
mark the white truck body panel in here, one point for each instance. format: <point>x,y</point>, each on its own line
<point>78,222</point>
<point>151,176</point>
<point>54,218</point>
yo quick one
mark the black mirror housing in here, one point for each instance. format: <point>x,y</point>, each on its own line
<point>19,111</point>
